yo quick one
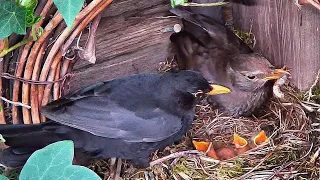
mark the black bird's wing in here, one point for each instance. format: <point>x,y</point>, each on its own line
<point>205,45</point>
<point>118,109</point>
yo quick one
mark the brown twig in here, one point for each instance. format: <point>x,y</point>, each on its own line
<point>31,60</point>
<point>9,76</point>
<point>55,36</point>
<point>314,3</point>
<point>21,62</point>
<point>51,76</point>
<point>10,58</point>
<point>118,169</point>
<point>175,155</point>
<point>15,103</point>
<point>34,88</point>
<point>97,10</point>
<point>256,167</point>
<point>112,169</point>
<point>63,72</point>
<point>227,15</point>
<point>56,86</point>
<point>89,51</point>
<point>56,46</point>
<point>35,75</point>
<point>66,69</point>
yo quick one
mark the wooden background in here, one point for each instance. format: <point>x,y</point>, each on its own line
<point>285,35</point>
<point>131,38</point>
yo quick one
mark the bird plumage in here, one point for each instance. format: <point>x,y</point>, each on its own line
<point>127,118</point>
<point>207,46</point>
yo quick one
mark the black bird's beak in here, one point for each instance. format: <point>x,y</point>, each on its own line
<point>276,74</point>
<point>217,89</point>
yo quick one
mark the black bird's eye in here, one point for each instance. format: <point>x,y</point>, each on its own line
<point>251,77</point>
<point>199,93</point>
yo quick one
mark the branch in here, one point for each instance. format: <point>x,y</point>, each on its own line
<point>56,86</point>
<point>34,89</point>
<point>15,103</point>
<point>309,92</point>
<point>57,45</point>
<point>19,44</point>
<point>315,4</point>
<point>89,51</point>
<point>176,155</point>
<point>21,62</point>
<point>45,98</point>
<point>31,60</point>
<point>84,23</point>
<point>9,76</point>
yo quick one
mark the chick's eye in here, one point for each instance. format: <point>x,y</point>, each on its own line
<point>251,77</point>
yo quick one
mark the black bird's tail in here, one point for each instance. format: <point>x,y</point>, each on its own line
<point>24,139</point>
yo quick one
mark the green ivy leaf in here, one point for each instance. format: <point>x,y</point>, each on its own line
<point>69,9</point>
<point>79,172</point>
<point>40,31</point>
<point>54,162</point>
<point>175,3</point>
<point>30,6</point>
<point>12,19</point>
<point>3,177</point>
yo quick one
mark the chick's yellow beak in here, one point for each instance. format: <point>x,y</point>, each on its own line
<point>217,89</point>
<point>276,74</point>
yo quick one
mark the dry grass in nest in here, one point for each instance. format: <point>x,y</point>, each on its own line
<point>293,141</point>
<point>291,151</point>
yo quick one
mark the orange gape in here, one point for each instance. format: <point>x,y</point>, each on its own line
<point>223,153</point>
<point>240,143</point>
<point>260,138</point>
<point>226,152</point>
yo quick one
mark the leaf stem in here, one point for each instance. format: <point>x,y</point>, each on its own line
<point>19,44</point>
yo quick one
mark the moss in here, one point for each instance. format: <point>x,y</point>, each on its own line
<point>316,94</point>
<point>234,171</point>
<point>281,157</point>
<point>246,36</point>
<point>191,172</point>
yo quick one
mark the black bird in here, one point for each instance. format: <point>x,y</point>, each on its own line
<point>209,47</point>
<point>126,118</point>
